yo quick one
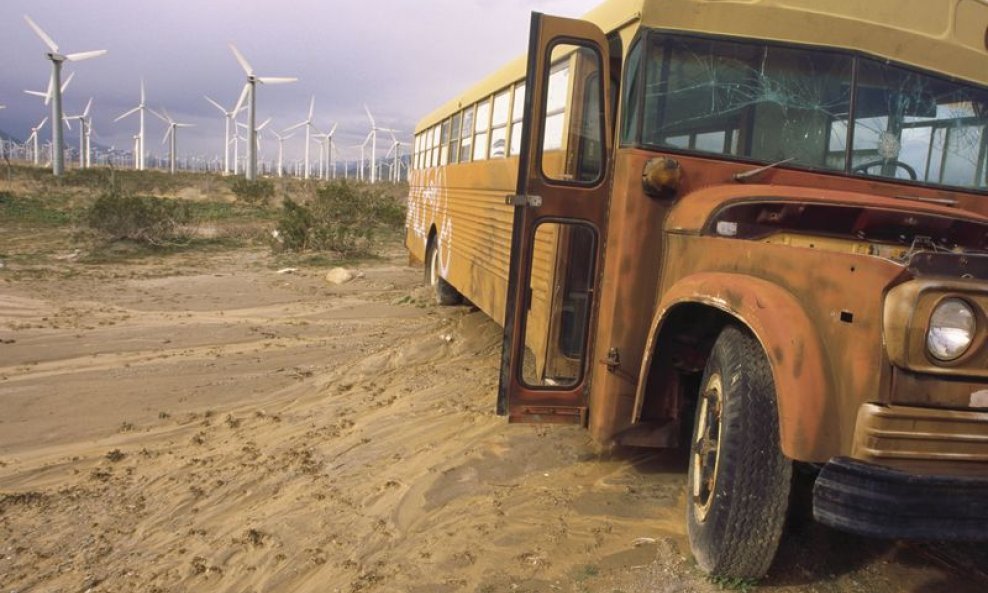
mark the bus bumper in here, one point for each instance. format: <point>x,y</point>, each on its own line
<point>878,501</point>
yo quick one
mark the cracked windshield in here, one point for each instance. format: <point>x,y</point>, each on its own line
<point>772,104</point>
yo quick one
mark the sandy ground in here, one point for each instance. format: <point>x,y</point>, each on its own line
<point>204,423</point>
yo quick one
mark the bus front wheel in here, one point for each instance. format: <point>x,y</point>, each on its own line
<point>445,293</point>
<point>738,478</point>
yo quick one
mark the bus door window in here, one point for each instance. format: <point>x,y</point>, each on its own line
<point>560,289</point>
<point>572,135</point>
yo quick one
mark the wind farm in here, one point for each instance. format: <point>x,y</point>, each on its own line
<point>237,148</point>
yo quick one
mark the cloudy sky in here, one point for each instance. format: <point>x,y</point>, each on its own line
<point>402,58</point>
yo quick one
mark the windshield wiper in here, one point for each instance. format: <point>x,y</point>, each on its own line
<point>746,175</point>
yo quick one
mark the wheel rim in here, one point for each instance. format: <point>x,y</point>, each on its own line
<point>706,446</point>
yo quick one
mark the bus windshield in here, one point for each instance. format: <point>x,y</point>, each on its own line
<point>771,103</point>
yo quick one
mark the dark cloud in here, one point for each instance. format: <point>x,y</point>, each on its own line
<point>400,58</point>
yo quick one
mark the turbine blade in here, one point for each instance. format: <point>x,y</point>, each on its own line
<point>43,122</point>
<point>68,79</point>
<point>264,123</point>
<point>142,91</point>
<point>37,94</point>
<point>89,104</point>
<point>243,97</point>
<point>41,33</point>
<point>85,55</point>
<point>167,133</point>
<point>295,127</point>
<point>185,125</point>
<point>134,110</point>
<point>67,124</point>
<point>312,107</point>
<point>331,131</point>
<point>216,105</point>
<point>277,79</point>
<point>370,117</point>
<point>243,61</point>
<point>159,116</point>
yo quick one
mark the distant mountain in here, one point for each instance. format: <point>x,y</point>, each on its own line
<point>8,137</point>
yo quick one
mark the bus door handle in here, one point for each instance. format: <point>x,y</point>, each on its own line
<point>524,200</point>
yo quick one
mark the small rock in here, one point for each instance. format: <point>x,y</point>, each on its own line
<point>339,276</point>
<point>286,270</point>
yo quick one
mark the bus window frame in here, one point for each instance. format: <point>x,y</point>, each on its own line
<point>605,163</point>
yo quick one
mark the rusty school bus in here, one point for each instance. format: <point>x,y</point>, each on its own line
<point>755,230</point>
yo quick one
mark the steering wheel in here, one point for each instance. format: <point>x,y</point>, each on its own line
<point>863,167</point>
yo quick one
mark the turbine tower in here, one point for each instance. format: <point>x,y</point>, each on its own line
<point>308,129</point>
<point>250,89</point>
<point>139,162</point>
<point>84,126</point>
<point>281,150</point>
<point>372,136</point>
<point>57,160</point>
<point>172,125</point>
<point>229,116</point>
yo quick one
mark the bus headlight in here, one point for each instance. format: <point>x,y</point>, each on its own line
<point>951,330</point>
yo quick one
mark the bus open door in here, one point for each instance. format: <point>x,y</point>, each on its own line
<point>559,224</point>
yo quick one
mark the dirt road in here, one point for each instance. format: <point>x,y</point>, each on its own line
<point>205,423</point>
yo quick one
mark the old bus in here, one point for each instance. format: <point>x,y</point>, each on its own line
<point>756,228</point>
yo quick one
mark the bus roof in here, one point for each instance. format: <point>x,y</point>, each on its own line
<point>942,36</point>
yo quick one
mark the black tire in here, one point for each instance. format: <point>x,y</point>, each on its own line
<point>739,480</point>
<point>446,295</point>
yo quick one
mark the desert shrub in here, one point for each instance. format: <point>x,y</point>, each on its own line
<point>31,210</point>
<point>252,192</point>
<point>144,219</point>
<point>294,226</point>
<point>341,217</point>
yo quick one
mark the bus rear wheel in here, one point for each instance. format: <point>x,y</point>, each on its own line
<point>446,295</point>
<point>738,478</point>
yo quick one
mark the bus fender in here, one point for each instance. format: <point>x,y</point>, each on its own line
<point>790,341</point>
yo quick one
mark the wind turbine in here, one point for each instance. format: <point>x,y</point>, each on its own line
<point>84,124</point>
<point>395,153</point>
<point>172,125</point>
<point>260,127</point>
<point>328,150</point>
<point>372,136</point>
<point>58,163</point>
<point>141,107</point>
<point>281,150</point>
<point>308,128</point>
<point>34,138</point>
<point>250,89</point>
<point>229,116</point>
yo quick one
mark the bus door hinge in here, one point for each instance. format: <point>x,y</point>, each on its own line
<point>613,364</point>
<point>524,200</point>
